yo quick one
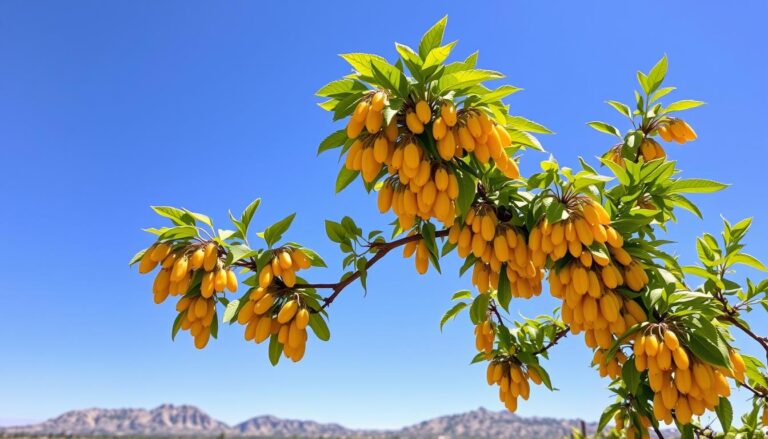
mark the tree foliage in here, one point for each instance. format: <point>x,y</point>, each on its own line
<point>437,143</point>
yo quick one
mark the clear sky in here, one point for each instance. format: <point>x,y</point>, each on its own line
<point>108,107</point>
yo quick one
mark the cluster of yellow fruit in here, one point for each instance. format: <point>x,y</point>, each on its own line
<point>587,223</point>
<point>285,262</point>
<point>430,192</point>
<point>265,314</point>
<point>496,245</point>
<point>651,150</point>
<point>368,114</point>
<point>590,302</point>
<point>609,366</point>
<point>199,313</point>
<point>676,130</point>
<point>630,430</point>
<point>370,152</point>
<point>512,380</point>
<point>419,248</point>
<point>485,335</point>
<point>680,383</point>
<point>177,270</point>
<point>472,130</point>
<point>178,267</point>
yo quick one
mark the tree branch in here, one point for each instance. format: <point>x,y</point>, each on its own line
<point>558,335</point>
<point>381,249</point>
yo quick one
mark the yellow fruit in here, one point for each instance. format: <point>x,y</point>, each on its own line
<point>201,307</point>
<point>361,111</point>
<point>285,259</point>
<point>373,121</point>
<point>378,101</point>
<point>263,304</point>
<point>263,329</point>
<point>300,260</point>
<point>439,129</point>
<point>384,199</point>
<point>147,264</point>
<point>287,312</point>
<point>302,318</point>
<point>160,251</point>
<point>380,149</point>
<point>179,269</point>
<point>447,146</point>
<point>265,276</point>
<point>289,278</point>
<point>488,228</point>
<point>651,345</point>
<point>671,341</point>
<point>201,339</point>
<point>391,130</point>
<point>162,282</point>
<point>503,136</point>
<point>423,112</point>
<point>466,140</point>
<point>448,113</point>
<point>354,128</point>
<point>211,256</point>
<point>220,280</point>
<point>196,259</point>
<point>702,376</point>
<point>411,155</point>
<point>664,133</point>
<point>413,123</point>
<point>207,285</point>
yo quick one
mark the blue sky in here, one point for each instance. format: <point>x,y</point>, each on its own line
<point>108,107</point>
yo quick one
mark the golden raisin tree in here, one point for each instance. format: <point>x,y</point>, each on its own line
<point>440,149</point>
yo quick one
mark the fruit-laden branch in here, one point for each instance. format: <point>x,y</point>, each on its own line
<point>381,249</point>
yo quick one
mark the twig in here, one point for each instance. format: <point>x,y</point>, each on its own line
<point>562,333</point>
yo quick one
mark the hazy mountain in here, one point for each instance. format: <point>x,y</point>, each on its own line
<point>170,420</point>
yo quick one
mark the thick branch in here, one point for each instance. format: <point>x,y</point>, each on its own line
<point>381,250</point>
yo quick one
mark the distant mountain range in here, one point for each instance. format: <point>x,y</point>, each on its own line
<point>185,420</point>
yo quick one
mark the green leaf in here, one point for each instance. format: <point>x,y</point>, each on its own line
<point>657,74</point>
<point>461,295</point>
<point>314,258</point>
<point>432,38</point>
<point>390,76</point>
<point>696,185</point>
<point>465,78</point>
<point>361,62</point>
<point>137,257</point>
<point>466,192</point>
<point>630,376</point>
<point>605,128</point>
<point>319,327</point>
<point>179,232</point>
<point>248,212</point>
<point>437,56</point>
<point>341,87</point>
<point>498,94</point>
<point>724,413</point>
<point>344,178</point>
<point>522,124</point>
<point>683,105</point>
<point>504,293</point>
<point>230,310</point>
<point>275,350</point>
<point>621,108</point>
<point>748,260</point>
<point>273,233</point>
<point>607,416</point>
<point>176,325</point>
<point>179,217</point>
<point>452,313</point>
<point>477,311</point>
<point>335,140</point>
